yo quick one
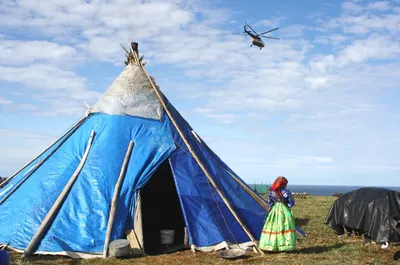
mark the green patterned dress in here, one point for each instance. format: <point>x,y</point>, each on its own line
<point>279,231</point>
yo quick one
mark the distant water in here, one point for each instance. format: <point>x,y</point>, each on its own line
<point>317,190</point>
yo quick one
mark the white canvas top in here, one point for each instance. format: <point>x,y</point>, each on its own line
<point>130,94</point>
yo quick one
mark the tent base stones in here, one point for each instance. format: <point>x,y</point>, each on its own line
<point>120,248</point>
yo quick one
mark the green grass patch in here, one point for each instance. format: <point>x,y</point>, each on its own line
<point>321,246</point>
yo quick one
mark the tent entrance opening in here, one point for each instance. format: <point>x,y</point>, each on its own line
<point>161,210</point>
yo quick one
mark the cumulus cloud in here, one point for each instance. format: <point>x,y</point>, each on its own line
<point>352,7</point>
<point>363,23</point>
<point>358,51</point>
<point>5,101</point>
<point>63,91</point>
<point>98,26</point>
<point>318,96</point>
<point>13,52</point>
<point>375,47</point>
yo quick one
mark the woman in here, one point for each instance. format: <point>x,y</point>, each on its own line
<point>279,231</point>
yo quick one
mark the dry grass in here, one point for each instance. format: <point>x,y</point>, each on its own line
<point>320,247</point>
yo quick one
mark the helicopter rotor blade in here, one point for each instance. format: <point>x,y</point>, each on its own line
<point>252,29</point>
<point>270,37</point>
<point>268,31</point>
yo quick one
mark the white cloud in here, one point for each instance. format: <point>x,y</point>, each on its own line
<point>21,107</point>
<point>351,7</point>
<point>317,82</point>
<point>98,27</point>
<point>61,90</point>
<point>203,110</point>
<point>363,24</point>
<point>5,101</point>
<point>274,22</point>
<point>223,118</point>
<point>322,63</point>
<point>293,31</point>
<point>372,48</point>
<point>380,6</point>
<point>44,77</point>
<point>14,52</point>
<point>375,47</point>
<point>356,8</point>
<point>334,39</point>
<point>329,95</point>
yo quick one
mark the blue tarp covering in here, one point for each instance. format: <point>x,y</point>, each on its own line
<point>82,220</point>
<point>81,223</point>
<point>197,189</point>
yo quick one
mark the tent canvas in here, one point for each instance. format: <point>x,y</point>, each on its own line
<point>94,183</point>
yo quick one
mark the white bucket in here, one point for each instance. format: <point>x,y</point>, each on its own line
<point>167,236</point>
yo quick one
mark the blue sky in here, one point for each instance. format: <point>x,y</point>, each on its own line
<point>320,106</point>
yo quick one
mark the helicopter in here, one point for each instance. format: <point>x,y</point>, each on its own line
<point>256,40</point>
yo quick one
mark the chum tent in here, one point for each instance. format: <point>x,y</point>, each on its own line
<point>132,166</point>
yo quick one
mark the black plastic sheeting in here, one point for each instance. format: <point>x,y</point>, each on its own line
<point>373,211</point>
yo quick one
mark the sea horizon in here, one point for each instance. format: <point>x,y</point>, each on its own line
<point>321,190</point>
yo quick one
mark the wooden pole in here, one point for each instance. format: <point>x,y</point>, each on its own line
<point>16,173</point>
<point>72,130</point>
<point>198,160</point>
<point>250,192</point>
<point>56,206</point>
<point>117,189</point>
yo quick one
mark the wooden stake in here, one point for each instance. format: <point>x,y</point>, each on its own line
<point>135,56</point>
<point>58,203</point>
<point>198,160</point>
<point>126,51</point>
<point>72,130</point>
<point>4,246</point>
<point>117,189</point>
<point>16,173</point>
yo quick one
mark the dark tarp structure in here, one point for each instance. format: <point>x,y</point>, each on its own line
<point>373,211</point>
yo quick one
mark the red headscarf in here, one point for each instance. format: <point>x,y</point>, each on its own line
<point>280,183</point>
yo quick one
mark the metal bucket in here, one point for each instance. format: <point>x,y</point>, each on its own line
<point>167,237</point>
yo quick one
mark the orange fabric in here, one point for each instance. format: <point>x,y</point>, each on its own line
<point>280,232</point>
<point>279,183</point>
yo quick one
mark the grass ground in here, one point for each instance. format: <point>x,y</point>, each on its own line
<point>320,247</point>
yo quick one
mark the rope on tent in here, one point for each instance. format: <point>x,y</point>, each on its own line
<point>72,130</point>
<point>117,190</point>
<point>58,203</point>
<point>220,210</point>
<point>194,154</point>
